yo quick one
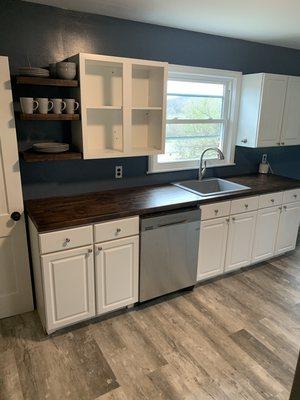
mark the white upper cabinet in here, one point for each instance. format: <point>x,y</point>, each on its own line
<point>269,113</point>
<point>123,106</point>
<point>290,133</point>
<point>261,110</point>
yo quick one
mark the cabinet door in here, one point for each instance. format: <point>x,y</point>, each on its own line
<point>68,287</point>
<point>240,240</point>
<point>265,233</point>
<point>290,133</point>
<point>288,228</point>
<point>271,112</point>
<point>212,248</point>
<point>117,272</point>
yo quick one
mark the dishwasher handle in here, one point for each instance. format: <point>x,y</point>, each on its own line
<point>172,223</point>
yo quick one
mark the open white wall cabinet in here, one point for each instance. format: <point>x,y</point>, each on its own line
<point>123,106</point>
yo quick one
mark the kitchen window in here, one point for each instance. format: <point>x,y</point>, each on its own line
<point>202,106</point>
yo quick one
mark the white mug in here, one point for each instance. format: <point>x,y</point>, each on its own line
<point>45,105</point>
<point>71,106</point>
<point>28,105</point>
<point>58,105</point>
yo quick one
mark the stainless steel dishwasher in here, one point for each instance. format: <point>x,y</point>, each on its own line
<point>169,252</point>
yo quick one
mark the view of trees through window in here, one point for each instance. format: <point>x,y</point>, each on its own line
<point>194,119</point>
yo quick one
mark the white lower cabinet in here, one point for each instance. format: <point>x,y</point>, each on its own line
<point>117,271</point>
<point>212,248</point>
<point>265,233</point>
<point>68,281</point>
<point>288,228</point>
<point>240,240</point>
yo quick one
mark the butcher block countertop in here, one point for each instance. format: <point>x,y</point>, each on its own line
<point>65,212</point>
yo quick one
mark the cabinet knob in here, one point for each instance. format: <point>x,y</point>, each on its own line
<point>246,205</point>
<point>118,230</point>
<point>99,248</point>
<point>278,143</point>
<point>282,143</point>
<point>244,140</point>
<point>227,219</point>
<point>90,250</point>
<point>233,219</point>
<point>67,240</point>
<point>280,208</point>
<point>295,196</point>
<point>272,200</point>
<point>284,207</point>
<point>216,212</point>
<point>16,216</point>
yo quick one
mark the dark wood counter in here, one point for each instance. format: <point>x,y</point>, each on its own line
<point>64,212</point>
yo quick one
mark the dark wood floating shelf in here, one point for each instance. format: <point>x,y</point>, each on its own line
<point>28,80</point>
<point>32,156</point>
<point>50,117</point>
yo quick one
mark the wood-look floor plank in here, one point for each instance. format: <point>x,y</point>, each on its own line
<point>10,386</point>
<point>280,370</point>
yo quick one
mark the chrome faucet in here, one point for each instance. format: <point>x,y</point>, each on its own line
<point>203,169</point>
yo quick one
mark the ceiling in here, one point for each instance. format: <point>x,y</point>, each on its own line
<point>267,21</point>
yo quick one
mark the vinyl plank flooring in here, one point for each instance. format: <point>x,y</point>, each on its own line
<point>233,338</point>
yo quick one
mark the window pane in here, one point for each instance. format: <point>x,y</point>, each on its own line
<point>186,107</point>
<point>195,88</point>
<point>187,141</point>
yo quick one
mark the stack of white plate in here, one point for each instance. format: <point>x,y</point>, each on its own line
<point>28,71</point>
<point>50,147</point>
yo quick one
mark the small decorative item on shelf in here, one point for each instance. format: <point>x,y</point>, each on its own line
<point>66,70</point>
<point>71,106</point>
<point>37,72</point>
<point>58,106</point>
<point>44,105</point>
<point>50,147</point>
<point>28,105</point>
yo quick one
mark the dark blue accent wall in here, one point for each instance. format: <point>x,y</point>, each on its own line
<point>44,34</point>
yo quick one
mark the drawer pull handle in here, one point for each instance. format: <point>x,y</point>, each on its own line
<point>216,212</point>
<point>272,200</point>
<point>246,205</point>
<point>119,230</point>
<point>67,240</point>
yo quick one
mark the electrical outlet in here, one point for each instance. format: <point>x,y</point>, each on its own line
<point>264,158</point>
<point>119,172</point>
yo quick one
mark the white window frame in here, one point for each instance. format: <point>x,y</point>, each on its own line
<point>233,82</point>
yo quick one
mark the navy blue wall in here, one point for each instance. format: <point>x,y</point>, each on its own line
<point>44,34</point>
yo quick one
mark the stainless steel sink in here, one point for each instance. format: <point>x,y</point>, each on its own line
<point>209,187</point>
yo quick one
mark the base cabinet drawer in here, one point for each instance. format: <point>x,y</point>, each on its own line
<point>117,274</point>
<point>215,210</point>
<point>288,228</point>
<point>240,240</point>
<point>291,196</point>
<point>265,233</point>
<point>68,287</point>
<point>212,248</point>
<point>65,239</point>
<point>270,200</point>
<point>244,205</point>
<point>116,229</point>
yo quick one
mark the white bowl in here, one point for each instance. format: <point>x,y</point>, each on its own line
<point>66,70</point>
